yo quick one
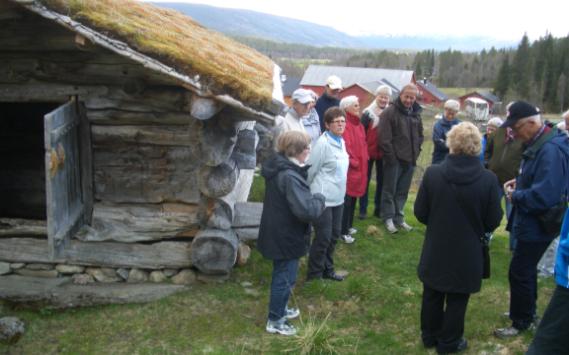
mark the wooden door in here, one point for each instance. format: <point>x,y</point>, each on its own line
<point>68,175</point>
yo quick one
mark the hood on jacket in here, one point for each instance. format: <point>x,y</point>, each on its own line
<point>462,169</point>
<point>561,140</point>
<point>277,163</point>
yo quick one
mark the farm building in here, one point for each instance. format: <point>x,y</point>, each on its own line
<point>290,83</point>
<point>494,103</point>
<point>366,91</point>
<point>127,136</point>
<point>361,82</point>
<point>429,94</point>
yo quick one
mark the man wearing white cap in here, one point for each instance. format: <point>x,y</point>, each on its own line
<point>301,100</point>
<point>329,98</point>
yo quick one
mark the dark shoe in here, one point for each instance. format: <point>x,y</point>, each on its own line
<point>460,347</point>
<point>333,276</point>
<point>362,216</point>
<point>509,332</point>
<point>376,213</point>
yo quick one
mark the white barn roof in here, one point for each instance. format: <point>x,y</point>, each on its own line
<point>316,75</point>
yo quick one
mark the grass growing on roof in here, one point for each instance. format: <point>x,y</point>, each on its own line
<point>176,40</point>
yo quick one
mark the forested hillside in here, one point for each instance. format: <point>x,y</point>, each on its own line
<point>537,72</point>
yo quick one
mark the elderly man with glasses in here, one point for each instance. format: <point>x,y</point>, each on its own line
<point>541,185</point>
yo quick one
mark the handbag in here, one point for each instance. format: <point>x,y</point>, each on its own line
<point>484,237</point>
<point>551,221</point>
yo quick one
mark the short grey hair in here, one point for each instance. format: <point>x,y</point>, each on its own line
<point>348,101</point>
<point>495,121</point>
<point>565,115</point>
<point>452,105</point>
<point>383,90</point>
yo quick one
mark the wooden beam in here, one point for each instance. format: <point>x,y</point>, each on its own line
<point>144,173</point>
<point>60,293</point>
<point>219,180</point>
<point>204,108</point>
<point>214,251</point>
<point>218,138</point>
<point>44,92</point>
<point>25,250</point>
<point>247,214</point>
<point>163,255</point>
<point>141,222</point>
<point>17,227</point>
<point>156,135</point>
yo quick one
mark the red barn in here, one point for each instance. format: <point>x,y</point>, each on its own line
<point>429,94</point>
<point>360,82</point>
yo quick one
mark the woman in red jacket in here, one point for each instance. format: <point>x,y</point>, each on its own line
<point>356,146</point>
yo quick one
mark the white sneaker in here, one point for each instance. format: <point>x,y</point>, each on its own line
<point>291,313</point>
<point>348,239</point>
<point>390,226</point>
<point>405,227</point>
<point>352,231</point>
<point>280,327</point>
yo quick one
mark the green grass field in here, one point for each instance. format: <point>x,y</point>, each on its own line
<point>374,311</point>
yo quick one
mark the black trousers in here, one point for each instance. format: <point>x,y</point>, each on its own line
<point>348,215</point>
<point>523,282</point>
<point>442,318</point>
<point>327,232</point>
<point>551,335</point>
<point>378,183</point>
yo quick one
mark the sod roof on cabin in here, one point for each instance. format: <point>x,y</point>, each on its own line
<point>224,65</point>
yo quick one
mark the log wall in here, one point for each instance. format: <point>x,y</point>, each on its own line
<point>164,159</point>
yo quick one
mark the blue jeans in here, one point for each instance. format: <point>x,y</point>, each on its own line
<point>282,282</point>
<point>378,183</point>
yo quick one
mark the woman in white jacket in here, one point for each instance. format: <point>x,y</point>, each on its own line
<point>327,175</point>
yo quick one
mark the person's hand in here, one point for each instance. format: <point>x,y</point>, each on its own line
<point>509,188</point>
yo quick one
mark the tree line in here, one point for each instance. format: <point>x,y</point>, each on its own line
<point>537,72</point>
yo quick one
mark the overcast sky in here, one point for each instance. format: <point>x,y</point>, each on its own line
<point>500,19</point>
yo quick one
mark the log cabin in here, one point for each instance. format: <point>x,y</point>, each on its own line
<point>127,136</point>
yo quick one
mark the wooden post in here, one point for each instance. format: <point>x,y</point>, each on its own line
<point>214,251</point>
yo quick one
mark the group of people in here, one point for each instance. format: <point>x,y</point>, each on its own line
<point>320,170</point>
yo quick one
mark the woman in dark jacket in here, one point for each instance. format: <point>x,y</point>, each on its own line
<point>458,201</point>
<point>284,234</point>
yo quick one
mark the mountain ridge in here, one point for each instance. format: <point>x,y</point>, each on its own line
<point>248,23</point>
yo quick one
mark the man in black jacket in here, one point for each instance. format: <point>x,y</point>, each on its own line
<point>329,98</point>
<point>400,138</point>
